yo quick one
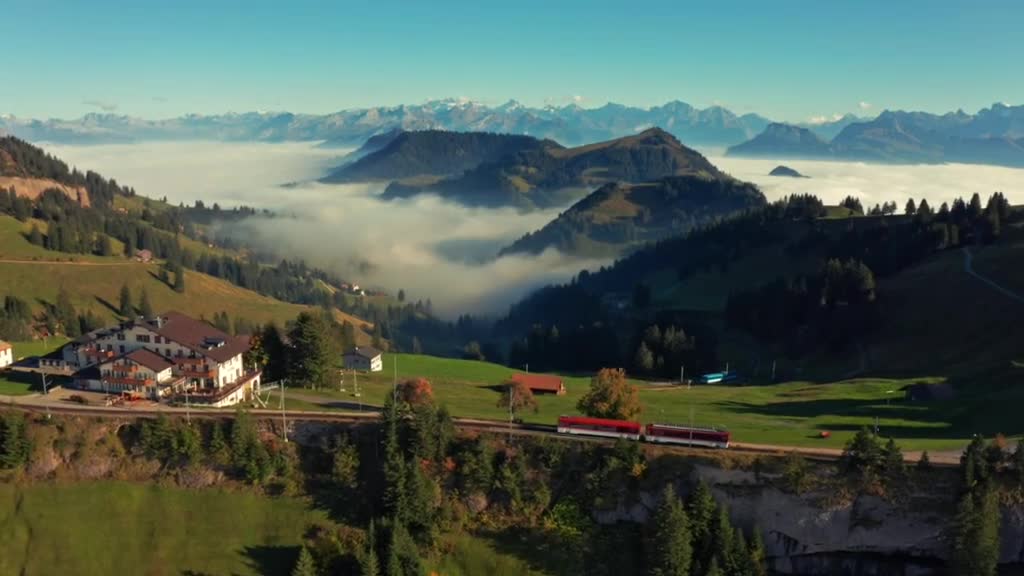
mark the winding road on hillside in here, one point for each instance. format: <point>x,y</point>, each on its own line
<point>969,268</point>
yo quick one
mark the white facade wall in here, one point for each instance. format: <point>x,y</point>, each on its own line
<point>6,357</point>
<point>360,362</point>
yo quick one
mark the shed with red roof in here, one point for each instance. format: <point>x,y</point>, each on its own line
<point>540,383</point>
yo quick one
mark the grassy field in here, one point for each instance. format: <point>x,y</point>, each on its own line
<point>118,528</point>
<point>792,413</point>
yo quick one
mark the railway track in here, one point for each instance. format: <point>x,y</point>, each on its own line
<point>495,426</point>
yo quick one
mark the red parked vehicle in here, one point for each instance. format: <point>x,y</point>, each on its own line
<point>599,427</point>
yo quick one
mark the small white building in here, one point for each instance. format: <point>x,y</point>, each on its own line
<point>6,354</point>
<point>365,358</point>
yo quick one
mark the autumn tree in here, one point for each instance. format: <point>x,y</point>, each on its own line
<point>517,396</point>
<point>611,396</point>
<point>416,392</point>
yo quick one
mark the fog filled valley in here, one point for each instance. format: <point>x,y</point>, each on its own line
<point>438,249</point>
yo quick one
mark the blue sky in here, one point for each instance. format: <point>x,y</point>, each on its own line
<point>789,60</point>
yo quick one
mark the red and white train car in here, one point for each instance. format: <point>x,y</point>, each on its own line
<point>669,434</point>
<point>585,426</point>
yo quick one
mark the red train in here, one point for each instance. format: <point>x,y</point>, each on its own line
<point>654,433</point>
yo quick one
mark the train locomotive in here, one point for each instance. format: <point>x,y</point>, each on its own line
<point>652,433</point>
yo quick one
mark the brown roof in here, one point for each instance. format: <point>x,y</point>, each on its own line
<point>5,346</point>
<point>151,360</point>
<point>198,336</point>
<point>540,382</point>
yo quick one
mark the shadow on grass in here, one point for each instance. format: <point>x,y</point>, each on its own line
<point>271,560</point>
<point>940,420</point>
<point>107,305</point>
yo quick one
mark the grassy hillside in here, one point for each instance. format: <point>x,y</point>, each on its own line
<point>94,282</point>
<point>791,413</point>
<point>101,528</point>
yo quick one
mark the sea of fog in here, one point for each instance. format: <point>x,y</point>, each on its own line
<point>437,249</point>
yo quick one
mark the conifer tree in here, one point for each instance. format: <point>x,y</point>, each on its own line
<point>145,308</point>
<point>35,236</point>
<point>395,501</point>
<point>125,308</point>
<point>310,358</point>
<point>758,557</point>
<point>179,278</point>
<point>305,565</point>
<point>669,542</point>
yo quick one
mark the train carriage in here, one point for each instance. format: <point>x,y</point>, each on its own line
<point>685,435</point>
<point>586,426</point>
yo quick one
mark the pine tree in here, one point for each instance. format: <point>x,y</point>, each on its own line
<point>911,208</point>
<point>669,543</point>
<point>66,314</point>
<point>378,340</point>
<point>179,278</point>
<point>714,569</point>
<point>35,236</point>
<point>417,348</point>
<point>758,557</point>
<point>14,443</point>
<point>218,448</point>
<point>894,469</point>
<point>924,463</point>
<point>305,565</point>
<point>103,246</point>
<point>125,308</point>
<point>395,500</point>
<point>723,536</point>
<point>976,541</point>
<point>145,308</point>
<point>644,360</point>
<point>701,512</point>
<point>310,362</point>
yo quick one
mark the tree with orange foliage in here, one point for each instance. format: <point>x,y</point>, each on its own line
<point>516,396</point>
<point>610,396</point>
<point>416,392</point>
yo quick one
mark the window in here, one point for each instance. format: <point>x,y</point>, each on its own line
<point>142,338</point>
<point>120,335</point>
<point>121,347</point>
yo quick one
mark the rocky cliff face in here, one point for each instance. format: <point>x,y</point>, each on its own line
<point>866,536</point>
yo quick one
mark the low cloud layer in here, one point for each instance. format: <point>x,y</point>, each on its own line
<point>435,249</point>
<point>431,248</point>
<point>878,183</point>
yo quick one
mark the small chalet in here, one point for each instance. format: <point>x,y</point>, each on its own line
<point>540,383</point>
<point>6,354</point>
<point>143,256</point>
<point>365,358</point>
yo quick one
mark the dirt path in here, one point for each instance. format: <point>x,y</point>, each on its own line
<point>969,268</point>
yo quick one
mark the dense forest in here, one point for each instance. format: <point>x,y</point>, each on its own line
<point>609,312</point>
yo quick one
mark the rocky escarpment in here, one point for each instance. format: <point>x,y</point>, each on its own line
<point>865,535</point>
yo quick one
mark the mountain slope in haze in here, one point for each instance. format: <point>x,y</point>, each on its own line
<point>551,175</point>
<point>783,139</point>
<point>992,136</point>
<point>431,153</point>
<point>618,215</point>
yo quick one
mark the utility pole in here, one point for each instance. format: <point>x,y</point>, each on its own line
<point>45,393</point>
<point>394,378</point>
<point>773,370</point>
<point>691,425</point>
<point>511,416</point>
<point>284,421</point>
